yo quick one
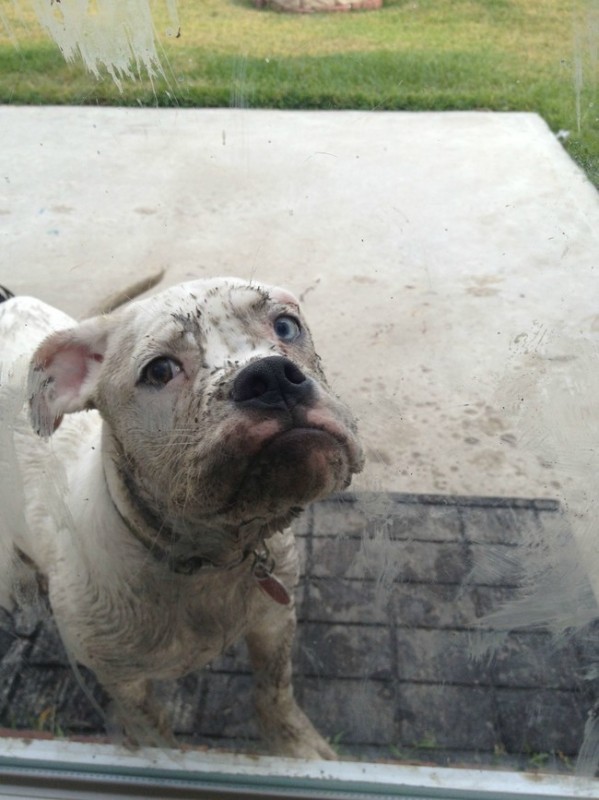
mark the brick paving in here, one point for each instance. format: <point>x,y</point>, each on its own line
<point>391,590</point>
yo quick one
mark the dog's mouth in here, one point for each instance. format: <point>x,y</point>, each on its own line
<point>297,466</point>
<point>293,444</point>
<point>315,444</point>
<point>311,426</point>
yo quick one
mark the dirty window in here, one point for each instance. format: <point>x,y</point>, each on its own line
<point>425,423</point>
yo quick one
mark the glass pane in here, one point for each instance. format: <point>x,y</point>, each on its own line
<point>420,177</point>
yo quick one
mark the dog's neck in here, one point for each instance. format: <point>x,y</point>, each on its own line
<point>185,547</point>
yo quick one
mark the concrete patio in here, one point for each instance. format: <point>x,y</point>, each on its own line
<point>432,252</point>
<point>449,266</point>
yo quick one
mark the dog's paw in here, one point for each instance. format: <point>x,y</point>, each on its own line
<point>292,734</point>
<point>135,719</point>
<point>312,747</point>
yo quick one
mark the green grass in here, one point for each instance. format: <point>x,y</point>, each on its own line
<point>503,55</point>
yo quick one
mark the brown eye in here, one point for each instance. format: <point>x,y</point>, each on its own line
<point>160,371</point>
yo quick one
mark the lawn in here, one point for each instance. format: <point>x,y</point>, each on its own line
<point>502,55</point>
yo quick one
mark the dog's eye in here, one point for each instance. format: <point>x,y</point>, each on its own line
<point>160,371</point>
<point>287,328</point>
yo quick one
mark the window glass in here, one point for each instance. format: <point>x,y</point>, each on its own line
<point>420,177</point>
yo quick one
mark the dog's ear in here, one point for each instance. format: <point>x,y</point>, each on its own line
<point>63,373</point>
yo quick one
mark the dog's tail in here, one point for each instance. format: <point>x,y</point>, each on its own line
<point>5,294</point>
<point>123,296</point>
<point>115,300</point>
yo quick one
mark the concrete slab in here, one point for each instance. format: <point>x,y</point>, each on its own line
<point>449,266</point>
<point>434,252</point>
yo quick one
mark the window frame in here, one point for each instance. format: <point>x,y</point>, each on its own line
<point>44,768</point>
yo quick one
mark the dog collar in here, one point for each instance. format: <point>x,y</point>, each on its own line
<point>262,568</point>
<point>181,565</point>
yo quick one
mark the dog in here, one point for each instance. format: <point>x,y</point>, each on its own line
<point>150,478</point>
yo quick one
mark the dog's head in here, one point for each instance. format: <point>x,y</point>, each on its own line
<point>214,401</point>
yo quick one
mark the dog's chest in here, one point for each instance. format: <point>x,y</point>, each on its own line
<point>169,627</point>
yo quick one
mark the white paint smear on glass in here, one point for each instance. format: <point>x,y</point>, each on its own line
<point>551,391</point>
<point>117,35</point>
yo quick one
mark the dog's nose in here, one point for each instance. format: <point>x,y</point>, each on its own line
<point>273,382</point>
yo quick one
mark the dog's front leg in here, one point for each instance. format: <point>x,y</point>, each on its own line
<point>140,717</point>
<point>286,728</point>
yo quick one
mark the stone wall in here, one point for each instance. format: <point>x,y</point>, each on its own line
<point>308,6</point>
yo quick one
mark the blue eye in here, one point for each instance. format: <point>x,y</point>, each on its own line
<point>287,328</point>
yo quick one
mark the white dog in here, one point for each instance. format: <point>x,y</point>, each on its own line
<point>158,523</point>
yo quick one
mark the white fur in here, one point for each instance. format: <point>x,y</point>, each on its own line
<point>181,466</point>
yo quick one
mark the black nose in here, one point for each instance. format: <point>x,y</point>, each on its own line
<point>273,382</point>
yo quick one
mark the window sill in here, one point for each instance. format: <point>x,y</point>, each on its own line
<point>38,768</point>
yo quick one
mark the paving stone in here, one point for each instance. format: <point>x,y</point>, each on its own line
<point>75,711</point>
<point>351,711</point>
<point>533,660</point>
<point>344,651</point>
<point>553,524</point>
<point>429,562</point>
<point>494,565</point>
<point>226,710</point>
<point>433,605</point>
<point>440,605</point>
<point>427,522</point>
<point>458,717</point>
<point>402,520</point>
<point>344,600</point>
<point>53,700</point>
<point>438,656</point>
<point>537,721</point>
<point>335,556</point>
<point>302,550</point>
<point>339,518</point>
<point>433,562</point>
<point>498,525</point>
<point>383,657</point>
<point>587,646</point>
<point>7,632</point>
<point>11,667</point>
<point>300,595</point>
<point>48,648</point>
<point>486,599</point>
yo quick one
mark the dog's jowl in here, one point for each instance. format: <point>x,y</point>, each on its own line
<point>157,518</point>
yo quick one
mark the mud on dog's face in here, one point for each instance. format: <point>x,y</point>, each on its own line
<point>214,399</point>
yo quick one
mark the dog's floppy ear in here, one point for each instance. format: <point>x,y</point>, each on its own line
<point>63,373</point>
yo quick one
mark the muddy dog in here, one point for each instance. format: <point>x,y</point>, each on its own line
<point>158,521</point>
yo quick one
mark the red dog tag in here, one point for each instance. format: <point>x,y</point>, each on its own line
<point>271,586</point>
